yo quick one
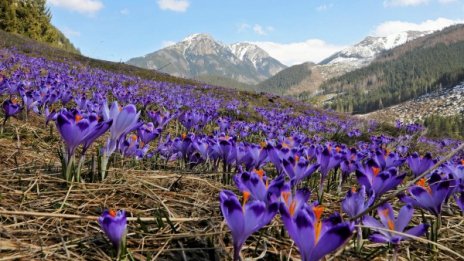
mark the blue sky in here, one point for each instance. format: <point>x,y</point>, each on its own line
<point>292,31</point>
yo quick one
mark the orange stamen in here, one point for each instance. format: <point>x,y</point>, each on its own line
<point>78,118</point>
<point>267,183</point>
<point>120,108</point>
<point>297,158</point>
<point>260,172</point>
<point>285,145</point>
<point>390,223</point>
<point>462,162</point>
<point>286,196</point>
<point>376,171</point>
<point>353,189</point>
<point>422,183</point>
<point>112,212</point>
<point>338,149</point>
<point>263,144</point>
<point>246,196</point>
<point>184,136</point>
<point>318,211</point>
<point>14,101</point>
<point>318,227</point>
<point>292,207</point>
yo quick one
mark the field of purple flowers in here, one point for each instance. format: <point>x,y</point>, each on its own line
<point>100,165</point>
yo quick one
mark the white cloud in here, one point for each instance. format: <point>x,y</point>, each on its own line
<point>81,6</point>
<point>68,32</point>
<point>257,28</point>
<point>447,1</point>
<point>167,43</point>
<point>243,27</point>
<point>392,27</point>
<point>124,11</point>
<point>324,7</point>
<point>174,5</point>
<point>313,50</point>
<point>389,3</point>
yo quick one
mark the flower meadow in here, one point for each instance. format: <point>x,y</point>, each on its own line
<point>331,184</point>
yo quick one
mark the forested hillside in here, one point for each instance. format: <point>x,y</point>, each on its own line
<point>31,18</point>
<point>404,73</point>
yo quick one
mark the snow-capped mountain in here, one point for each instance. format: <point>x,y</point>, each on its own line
<point>364,52</point>
<point>199,55</point>
<point>344,61</point>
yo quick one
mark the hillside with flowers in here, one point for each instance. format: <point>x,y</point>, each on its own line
<point>102,162</point>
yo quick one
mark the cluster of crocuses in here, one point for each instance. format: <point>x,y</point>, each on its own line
<point>377,170</point>
<point>293,146</point>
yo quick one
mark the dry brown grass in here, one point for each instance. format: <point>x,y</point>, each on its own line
<point>173,215</point>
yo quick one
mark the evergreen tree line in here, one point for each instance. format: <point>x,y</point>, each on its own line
<point>438,126</point>
<point>32,18</point>
<point>386,83</point>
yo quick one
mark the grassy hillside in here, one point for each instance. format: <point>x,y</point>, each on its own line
<point>403,73</point>
<point>28,46</point>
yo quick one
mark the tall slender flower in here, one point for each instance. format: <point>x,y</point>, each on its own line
<point>244,220</point>
<point>114,224</point>
<point>357,202</point>
<point>388,221</point>
<point>10,108</point>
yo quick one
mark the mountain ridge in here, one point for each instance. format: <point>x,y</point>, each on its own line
<point>201,55</point>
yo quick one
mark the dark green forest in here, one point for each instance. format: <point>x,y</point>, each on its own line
<point>279,83</point>
<point>32,18</point>
<point>452,126</point>
<point>390,82</point>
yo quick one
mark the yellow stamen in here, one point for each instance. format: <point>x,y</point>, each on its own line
<point>285,145</point>
<point>263,144</point>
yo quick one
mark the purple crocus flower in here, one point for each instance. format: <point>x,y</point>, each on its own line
<point>257,185</point>
<point>10,108</point>
<point>114,224</point>
<point>356,202</point>
<point>313,236</point>
<point>244,220</point>
<point>420,164</point>
<point>148,132</point>
<point>298,168</point>
<point>388,221</point>
<point>380,182</point>
<point>124,120</point>
<point>160,119</point>
<point>428,196</point>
